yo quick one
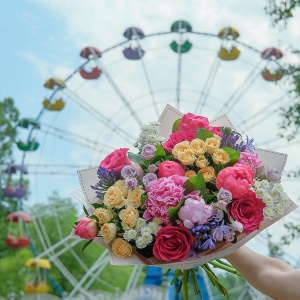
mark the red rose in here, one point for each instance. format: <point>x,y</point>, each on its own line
<point>169,168</point>
<point>173,243</point>
<point>190,121</point>
<point>116,160</point>
<point>247,210</point>
<point>177,137</point>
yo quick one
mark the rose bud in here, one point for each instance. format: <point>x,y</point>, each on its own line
<point>86,228</point>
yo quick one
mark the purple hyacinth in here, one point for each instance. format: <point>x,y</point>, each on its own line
<point>106,180</point>
<point>245,146</point>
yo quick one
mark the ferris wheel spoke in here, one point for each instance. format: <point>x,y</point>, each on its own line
<point>98,115</point>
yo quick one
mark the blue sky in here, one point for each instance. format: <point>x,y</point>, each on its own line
<point>42,39</point>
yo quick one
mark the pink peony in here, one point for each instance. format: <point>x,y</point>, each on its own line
<point>190,121</point>
<point>177,137</point>
<point>173,243</point>
<point>251,160</point>
<point>169,168</point>
<point>162,194</point>
<point>195,212</point>
<point>116,160</point>
<point>248,210</point>
<point>86,228</point>
<point>237,179</point>
<point>214,130</point>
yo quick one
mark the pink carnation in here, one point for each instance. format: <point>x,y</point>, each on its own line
<point>237,179</point>
<point>251,160</point>
<point>163,193</point>
<point>195,212</point>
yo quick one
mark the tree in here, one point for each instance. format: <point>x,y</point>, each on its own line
<point>9,117</point>
<point>281,11</point>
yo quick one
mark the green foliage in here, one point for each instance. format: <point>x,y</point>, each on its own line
<point>281,11</point>
<point>9,117</point>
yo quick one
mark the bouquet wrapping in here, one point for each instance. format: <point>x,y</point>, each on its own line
<point>194,192</point>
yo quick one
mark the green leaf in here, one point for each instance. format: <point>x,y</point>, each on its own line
<point>203,134</point>
<point>195,183</point>
<point>175,125</point>
<point>86,244</point>
<point>176,275</point>
<point>85,211</point>
<point>233,155</point>
<point>94,218</point>
<point>137,158</point>
<point>160,151</point>
<point>98,205</point>
<point>173,211</point>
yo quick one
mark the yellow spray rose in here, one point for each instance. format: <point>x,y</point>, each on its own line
<point>113,198</point>
<point>212,144</point>
<point>180,147</point>
<point>198,146</point>
<point>121,185</point>
<point>220,156</point>
<point>187,157</point>
<point>208,173</point>
<point>201,161</point>
<point>190,173</point>
<point>121,248</point>
<point>129,216</point>
<point>108,231</point>
<point>134,197</point>
<point>104,215</point>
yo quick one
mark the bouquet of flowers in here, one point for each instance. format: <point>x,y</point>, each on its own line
<point>194,192</point>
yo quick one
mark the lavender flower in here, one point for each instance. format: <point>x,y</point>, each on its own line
<point>148,151</point>
<point>130,183</point>
<point>224,195</point>
<point>152,168</point>
<point>128,171</point>
<point>149,177</point>
<point>274,175</point>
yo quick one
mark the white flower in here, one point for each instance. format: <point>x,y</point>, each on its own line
<point>268,199</point>
<point>260,193</point>
<point>269,212</point>
<point>257,184</point>
<point>279,208</point>
<point>147,237</point>
<point>274,194</point>
<point>284,199</point>
<point>130,234</point>
<point>146,229</point>
<point>140,223</point>
<point>140,243</point>
<point>154,227</point>
<point>265,184</point>
<point>278,187</point>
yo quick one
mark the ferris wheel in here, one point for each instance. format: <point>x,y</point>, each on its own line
<point>100,105</point>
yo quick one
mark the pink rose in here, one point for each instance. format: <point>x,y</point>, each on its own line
<point>169,168</point>
<point>173,243</point>
<point>249,159</point>
<point>195,212</point>
<point>116,160</point>
<point>237,179</point>
<point>190,121</point>
<point>177,137</point>
<point>86,228</point>
<point>248,210</point>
